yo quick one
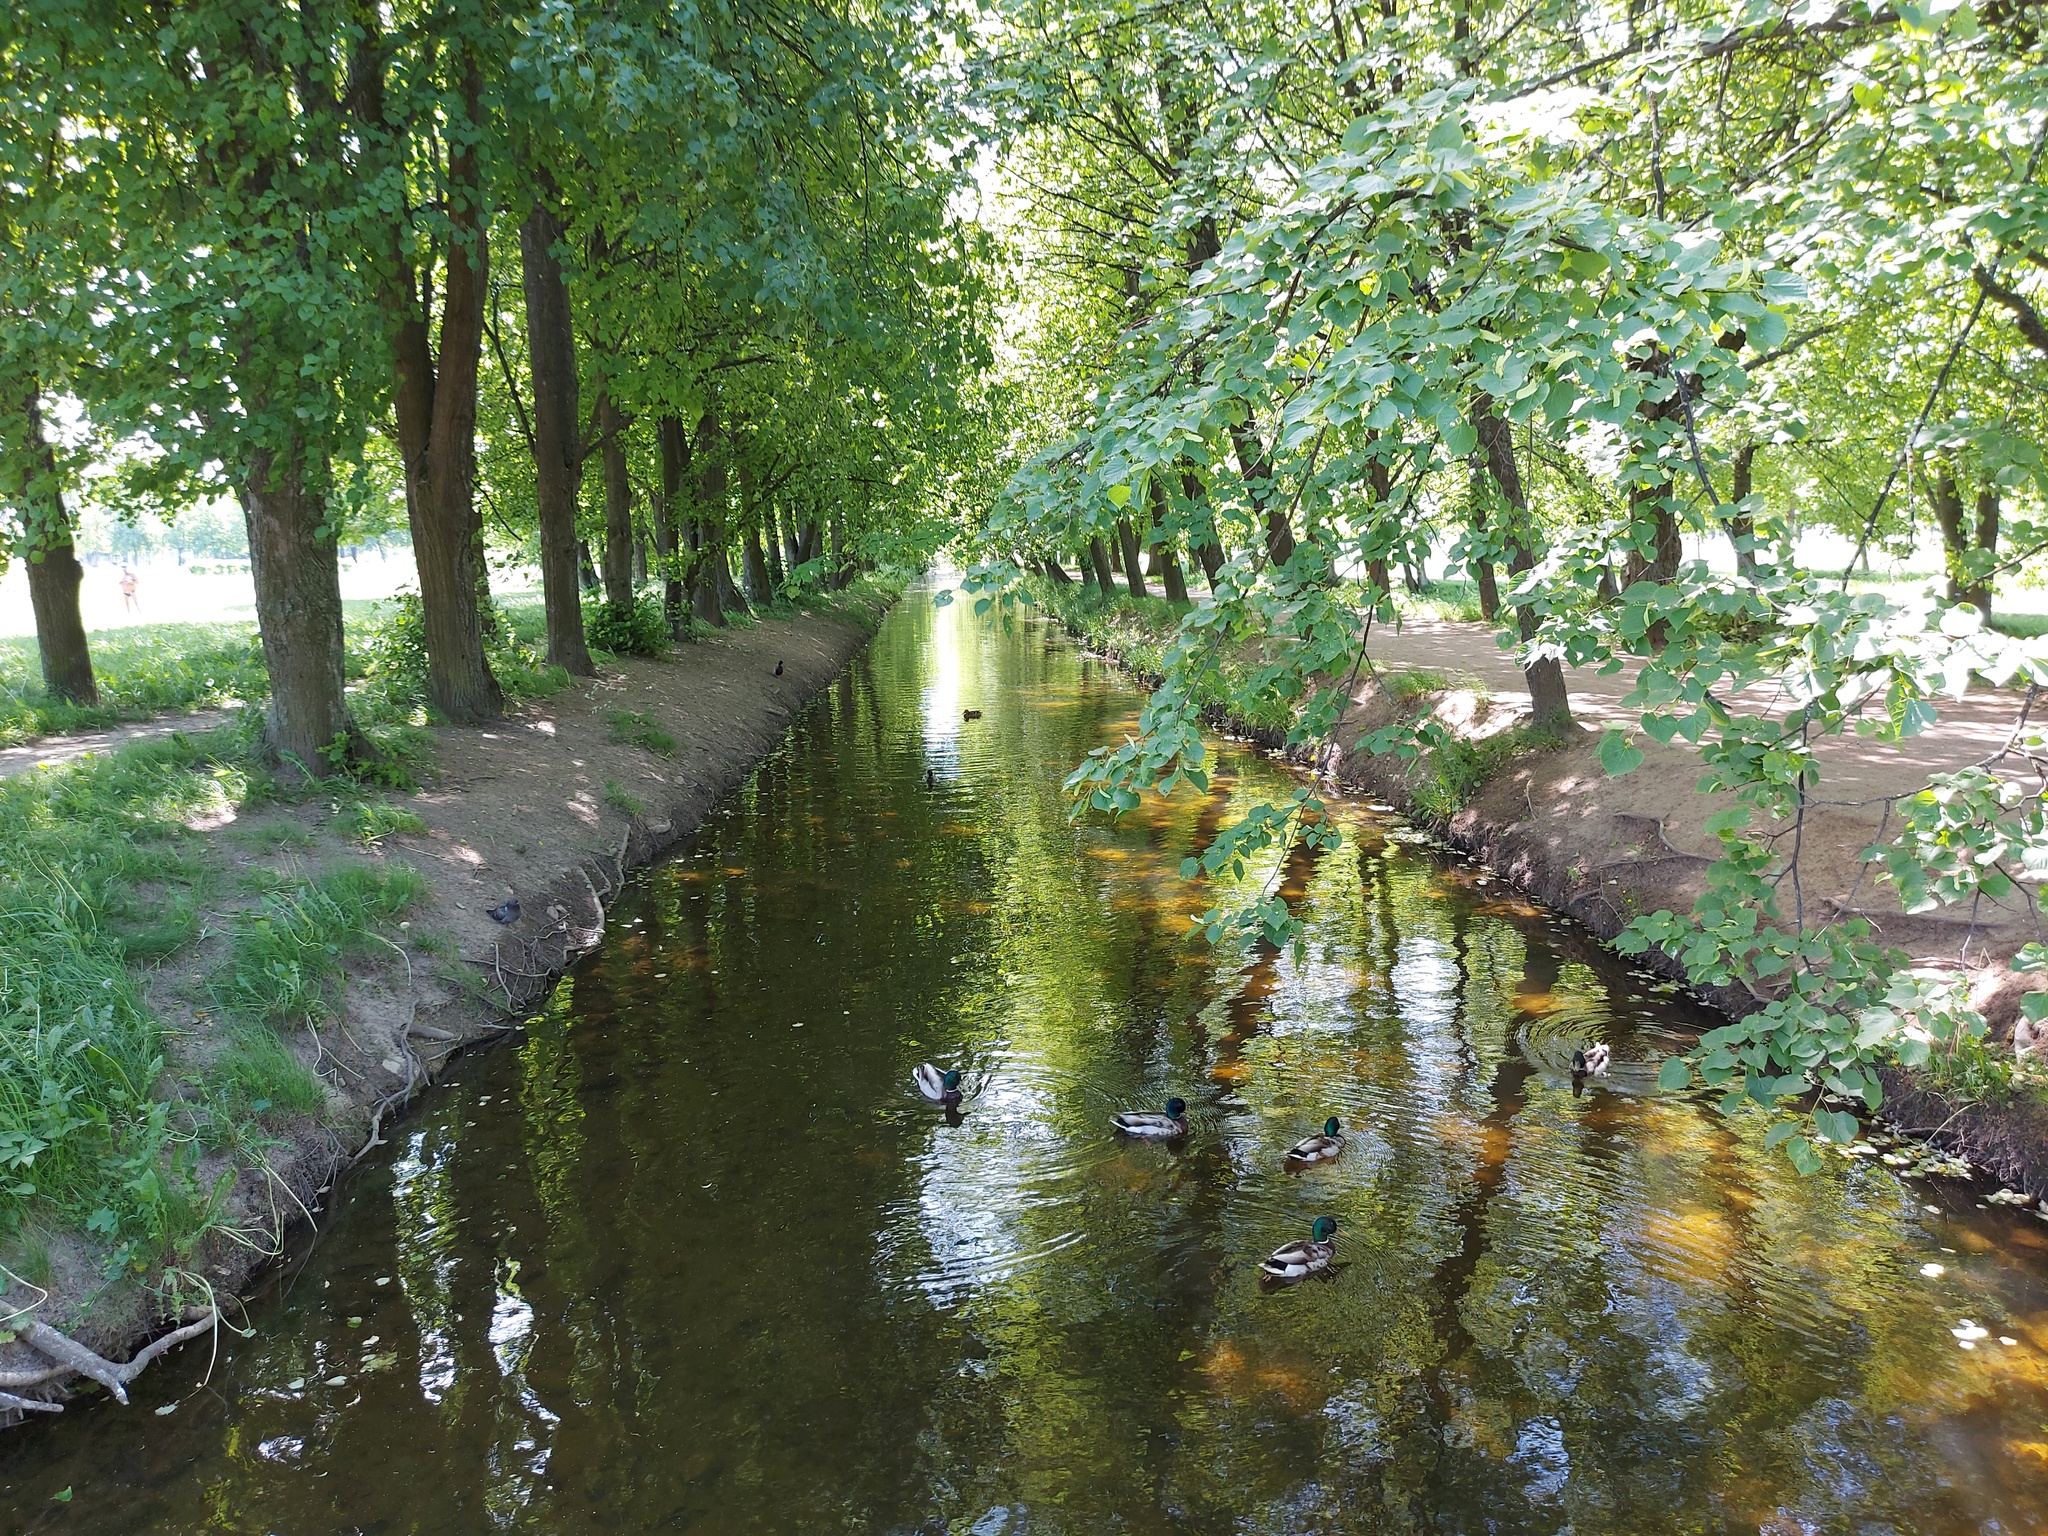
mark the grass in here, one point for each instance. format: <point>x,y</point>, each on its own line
<point>1459,768</point>
<point>367,821</point>
<point>1415,682</point>
<point>282,955</point>
<point>144,671</point>
<point>617,797</point>
<point>639,730</point>
<point>84,1139</point>
<point>255,1074</point>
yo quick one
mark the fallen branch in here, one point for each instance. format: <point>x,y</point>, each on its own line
<point>73,1358</point>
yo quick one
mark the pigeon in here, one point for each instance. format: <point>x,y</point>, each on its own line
<point>506,911</point>
<point>778,669</point>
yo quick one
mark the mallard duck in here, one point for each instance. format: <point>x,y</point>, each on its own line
<point>1317,1149</point>
<point>1150,1125</point>
<point>1297,1261</point>
<point>1593,1059</point>
<point>936,1087</point>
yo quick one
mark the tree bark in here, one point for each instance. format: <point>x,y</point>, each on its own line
<point>52,560</point>
<point>1165,564</point>
<point>557,439</point>
<point>1055,571</point>
<point>1257,469</point>
<point>1742,526</point>
<point>618,504</point>
<point>772,532</point>
<point>1957,540</point>
<point>760,586</point>
<point>1105,574</point>
<point>1550,706</point>
<point>1134,568</point>
<point>435,407</point>
<point>1979,589</point>
<point>293,561</point>
<point>706,601</point>
<point>1479,565</point>
<point>672,444</point>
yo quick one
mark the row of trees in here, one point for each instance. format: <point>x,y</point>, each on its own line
<point>1322,289</point>
<point>295,254</point>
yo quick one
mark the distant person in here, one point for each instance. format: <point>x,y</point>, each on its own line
<point>128,586</point>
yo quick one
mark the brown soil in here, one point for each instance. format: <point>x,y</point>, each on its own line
<point>543,809</point>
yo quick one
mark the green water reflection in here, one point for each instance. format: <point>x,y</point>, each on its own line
<point>692,1257</point>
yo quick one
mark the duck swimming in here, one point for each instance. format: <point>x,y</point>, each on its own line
<point>1297,1261</point>
<point>1150,1125</point>
<point>1593,1059</point>
<point>1318,1149</point>
<point>936,1087</point>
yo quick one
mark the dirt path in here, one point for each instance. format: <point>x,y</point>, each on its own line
<point>52,750</point>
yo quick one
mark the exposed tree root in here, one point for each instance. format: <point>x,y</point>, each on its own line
<point>74,1359</point>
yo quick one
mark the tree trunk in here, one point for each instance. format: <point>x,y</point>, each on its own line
<point>1956,536</point>
<point>1105,573</point>
<point>772,529</point>
<point>1741,525</point>
<point>705,598</point>
<point>673,444</point>
<point>1979,589</point>
<point>52,560</point>
<point>1134,569</point>
<point>759,586</point>
<point>435,408</point>
<point>1667,545</point>
<point>1257,470</point>
<point>1165,564</point>
<point>639,556</point>
<point>792,544</point>
<point>618,505</point>
<point>1550,706</point>
<point>292,560</point>
<point>1057,572</point>
<point>557,439</point>
<point>586,568</point>
<point>1481,567</point>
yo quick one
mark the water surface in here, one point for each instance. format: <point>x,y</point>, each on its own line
<point>688,1256</point>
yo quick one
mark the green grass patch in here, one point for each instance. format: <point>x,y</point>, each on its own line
<point>1416,682</point>
<point>366,821</point>
<point>283,954</point>
<point>1459,768</point>
<point>635,729</point>
<point>96,871</point>
<point>255,1075</point>
<point>148,670</point>
<point>619,799</point>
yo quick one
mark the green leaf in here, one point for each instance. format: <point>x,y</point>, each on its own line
<point>1675,1074</point>
<point>1617,756</point>
<point>1837,1125</point>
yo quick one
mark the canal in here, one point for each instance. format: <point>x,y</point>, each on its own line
<point>689,1255</point>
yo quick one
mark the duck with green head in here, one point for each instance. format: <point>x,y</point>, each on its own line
<point>1150,1125</point>
<point>1297,1261</point>
<point>1325,1148</point>
<point>937,1087</point>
